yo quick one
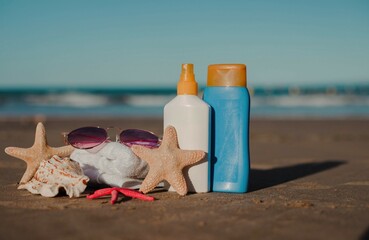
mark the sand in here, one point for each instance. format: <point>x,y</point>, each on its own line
<point>309,180</point>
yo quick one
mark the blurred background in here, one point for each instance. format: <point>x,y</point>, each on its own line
<point>123,58</point>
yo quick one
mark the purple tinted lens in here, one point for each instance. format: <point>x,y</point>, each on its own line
<point>139,137</point>
<point>87,137</point>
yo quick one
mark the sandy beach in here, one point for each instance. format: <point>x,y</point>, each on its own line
<point>309,180</point>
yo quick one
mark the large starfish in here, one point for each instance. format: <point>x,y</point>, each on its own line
<point>38,152</point>
<point>167,162</point>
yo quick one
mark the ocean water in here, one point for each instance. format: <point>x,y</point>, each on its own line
<point>284,102</point>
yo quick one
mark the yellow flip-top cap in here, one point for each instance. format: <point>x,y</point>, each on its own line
<point>227,75</point>
<point>187,84</point>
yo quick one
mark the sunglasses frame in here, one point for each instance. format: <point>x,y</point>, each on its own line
<point>118,132</point>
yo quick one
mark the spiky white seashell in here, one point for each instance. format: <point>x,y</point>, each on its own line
<point>57,173</point>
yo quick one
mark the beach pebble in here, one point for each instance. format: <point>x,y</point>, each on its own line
<point>113,164</point>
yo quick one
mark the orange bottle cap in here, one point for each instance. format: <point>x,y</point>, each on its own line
<point>187,84</point>
<point>227,75</point>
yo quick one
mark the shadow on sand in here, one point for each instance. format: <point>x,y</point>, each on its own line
<point>365,235</point>
<point>260,179</point>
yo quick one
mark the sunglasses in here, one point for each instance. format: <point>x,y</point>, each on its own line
<point>90,137</point>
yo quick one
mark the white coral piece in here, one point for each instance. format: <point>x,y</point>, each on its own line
<point>113,163</point>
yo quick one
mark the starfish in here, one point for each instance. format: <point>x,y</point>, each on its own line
<point>167,162</point>
<point>114,194</point>
<point>40,151</point>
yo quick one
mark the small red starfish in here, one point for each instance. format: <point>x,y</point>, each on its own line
<point>114,194</point>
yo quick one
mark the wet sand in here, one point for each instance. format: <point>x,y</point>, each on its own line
<point>309,180</point>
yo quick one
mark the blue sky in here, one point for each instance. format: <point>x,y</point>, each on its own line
<point>115,43</point>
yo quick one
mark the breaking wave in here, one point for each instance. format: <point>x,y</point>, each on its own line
<point>313,101</point>
<point>73,99</point>
<point>265,102</point>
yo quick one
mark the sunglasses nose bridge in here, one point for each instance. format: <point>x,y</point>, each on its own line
<point>116,136</point>
<point>115,131</point>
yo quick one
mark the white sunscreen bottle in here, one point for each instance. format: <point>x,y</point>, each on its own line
<point>190,116</point>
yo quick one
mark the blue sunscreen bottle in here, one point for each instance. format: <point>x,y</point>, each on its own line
<point>229,99</point>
